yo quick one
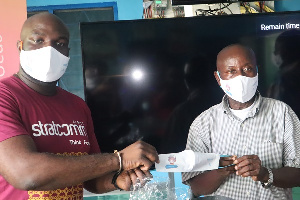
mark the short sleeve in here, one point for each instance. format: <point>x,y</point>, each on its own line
<point>198,140</point>
<point>291,139</point>
<point>10,121</point>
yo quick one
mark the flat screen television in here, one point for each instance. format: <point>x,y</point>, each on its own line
<point>149,79</point>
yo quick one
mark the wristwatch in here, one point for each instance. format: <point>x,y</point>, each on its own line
<point>114,180</point>
<point>270,180</point>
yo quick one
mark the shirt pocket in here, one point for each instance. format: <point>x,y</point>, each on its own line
<point>270,154</point>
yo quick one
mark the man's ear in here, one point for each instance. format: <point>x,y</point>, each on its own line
<point>20,45</point>
<point>217,77</point>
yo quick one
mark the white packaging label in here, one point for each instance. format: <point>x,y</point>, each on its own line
<point>187,161</point>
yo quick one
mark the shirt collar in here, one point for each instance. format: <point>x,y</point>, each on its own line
<point>257,103</point>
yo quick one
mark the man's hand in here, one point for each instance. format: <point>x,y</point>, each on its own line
<point>250,165</point>
<point>226,161</point>
<point>133,179</point>
<point>226,165</point>
<point>139,155</point>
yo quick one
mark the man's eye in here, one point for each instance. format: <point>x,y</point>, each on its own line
<point>60,44</point>
<point>39,41</point>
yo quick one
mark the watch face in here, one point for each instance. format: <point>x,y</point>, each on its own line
<point>266,185</point>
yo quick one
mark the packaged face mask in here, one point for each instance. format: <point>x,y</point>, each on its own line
<point>187,161</point>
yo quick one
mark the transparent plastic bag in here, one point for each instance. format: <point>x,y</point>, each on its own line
<point>158,188</point>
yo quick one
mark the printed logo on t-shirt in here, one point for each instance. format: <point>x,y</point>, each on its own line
<point>53,129</point>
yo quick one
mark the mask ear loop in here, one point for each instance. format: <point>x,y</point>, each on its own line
<point>21,45</point>
<point>219,77</point>
<point>218,74</point>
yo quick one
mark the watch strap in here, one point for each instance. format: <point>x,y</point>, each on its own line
<point>114,180</point>
<point>270,180</point>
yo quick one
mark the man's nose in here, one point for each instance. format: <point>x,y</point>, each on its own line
<point>52,44</point>
<point>240,72</point>
<point>49,43</point>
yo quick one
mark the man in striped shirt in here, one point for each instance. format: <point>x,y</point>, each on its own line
<point>263,133</point>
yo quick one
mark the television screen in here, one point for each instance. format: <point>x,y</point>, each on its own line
<point>193,2</point>
<point>149,79</point>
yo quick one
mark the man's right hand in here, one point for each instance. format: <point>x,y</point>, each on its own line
<point>226,163</point>
<point>139,154</point>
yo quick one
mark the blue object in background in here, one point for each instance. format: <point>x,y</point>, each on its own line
<point>179,186</point>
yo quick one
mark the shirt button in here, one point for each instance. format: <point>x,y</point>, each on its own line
<point>247,193</point>
<point>245,147</point>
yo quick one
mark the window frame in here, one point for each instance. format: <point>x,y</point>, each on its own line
<point>52,8</point>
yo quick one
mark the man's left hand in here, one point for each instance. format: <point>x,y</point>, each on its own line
<point>250,165</point>
<point>131,179</point>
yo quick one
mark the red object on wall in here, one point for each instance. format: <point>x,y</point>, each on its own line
<point>13,13</point>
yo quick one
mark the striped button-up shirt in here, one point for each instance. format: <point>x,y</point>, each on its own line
<point>271,131</point>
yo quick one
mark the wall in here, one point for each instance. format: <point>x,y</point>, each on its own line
<point>287,5</point>
<point>12,16</point>
<point>127,9</point>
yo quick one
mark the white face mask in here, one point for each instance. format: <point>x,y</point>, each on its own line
<point>240,88</point>
<point>45,64</point>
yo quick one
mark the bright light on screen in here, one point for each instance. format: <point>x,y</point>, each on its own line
<point>137,74</point>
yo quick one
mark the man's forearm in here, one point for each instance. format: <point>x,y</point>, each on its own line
<point>286,177</point>
<point>26,169</point>
<point>48,172</point>
<point>100,185</point>
<point>208,182</point>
